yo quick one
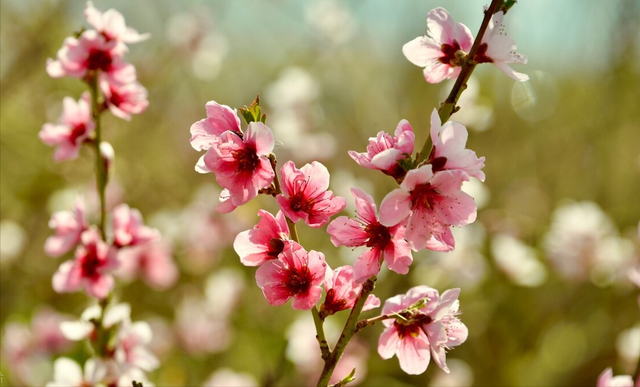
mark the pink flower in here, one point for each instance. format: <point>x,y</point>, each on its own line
<point>131,348</point>
<point>443,49</point>
<point>343,291</point>
<point>606,379</point>
<point>366,230</point>
<point>47,335</point>
<point>129,228</point>
<point>432,203</point>
<point>449,152</point>
<point>265,241</point>
<point>241,164</point>
<point>305,196</point>
<point>207,131</point>
<point>74,127</point>
<point>90,269</point>
<point>500,50</point>
<point>68,227</point>
<point>112,26</point>
<point>124,99</point>
<point>426,326</point>
<point>152,262</point>
<point>384,151</point>
<point>91,52</point>
<point>296,274</point>
<point>67,373</point>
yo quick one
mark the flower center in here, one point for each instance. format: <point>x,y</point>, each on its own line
<point>423,196</point>
<point>299,281</point>
<point>481,54</point>
<point>300,203</point>
<point>247,159</point>
<point>453,55</point>
<point>379,235</point>
<point>90,262</point>
<point>276,246</point>
<point>404,330</point>
<point>99,60</point>
<point>333,304</point>
<point>77,131</point>
<point>115,99</point>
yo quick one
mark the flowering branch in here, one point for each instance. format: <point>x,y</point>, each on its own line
<point>448,107</point>
<point>347,333</point>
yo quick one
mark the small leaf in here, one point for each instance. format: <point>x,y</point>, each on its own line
<point>253,113</point>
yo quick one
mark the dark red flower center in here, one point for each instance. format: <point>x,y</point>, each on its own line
<point>450,50</point>
<point>90,262</point>
<point>333,304</point>
<point>300,203</point>
<point>424,196</point>
<point>379,235</point>
<point>247,160</point>
<point>77,131</point>
<point>481,54</point>
<point>99,60</point>
<point>404,330</point>
<point>115,99</point>
<point>276,246</point>
<point>299,281</point>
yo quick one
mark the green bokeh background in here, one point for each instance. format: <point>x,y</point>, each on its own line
<point>572,132</point>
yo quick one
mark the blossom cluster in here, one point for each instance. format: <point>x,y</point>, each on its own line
<point>120,244</point>
<point>96,57</point>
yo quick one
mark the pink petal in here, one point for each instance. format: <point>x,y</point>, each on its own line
<point>367,265</point>
<point>388,343</point>
<point>308,300</point>
<point>421,51</point>
<point>398,256</point>
<point>414,354</point>
<point>260,137</point>
<point>395,207</point>
<point>346,232</point>
<point>416,177</point>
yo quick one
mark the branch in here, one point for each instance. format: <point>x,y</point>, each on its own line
<point>448,107</point>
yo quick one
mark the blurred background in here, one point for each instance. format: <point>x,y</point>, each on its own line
<point>544,271</point>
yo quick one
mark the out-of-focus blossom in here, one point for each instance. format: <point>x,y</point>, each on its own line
<point>634,276</point>
<point>465,267</point>
<point>13,239</point>
<point>67,373</point>
<point>123,100</point>
<point>199,328</point>
<point>382,242</point>
<point>265,241</point>
<point>342,292</point>
<point>296,274</point>
<point>47,336</point>
<point>476,111</point>
<point>91,268</point>
<point>432,203</point>
<point>74,127</point>
<point>129,228</point>
<point>606,379</point>
<point>305,195</point>
<point>84,327</point>
<point>131,348</point>
<point>500,50</point>
<point>91,52</point>
<point>108,155</point>
<point>449,148</point>
<point>225,377</point>
<point>443,49</point>
<point>223,290</point>
<point>112,26</point>
<point>427,325</point>
<point>303,351</point>
<point>207,131</point>
<point>384,152</point>
<point>68,226</point>
<point>518,261</point>
<point>583,242</point>
<point>241,165</point>
<point>461,375</point>
<point>332,20</point>
<point>628,346</point>
<point>153,262</point>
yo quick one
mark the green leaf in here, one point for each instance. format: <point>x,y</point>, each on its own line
<point>253,113</point>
